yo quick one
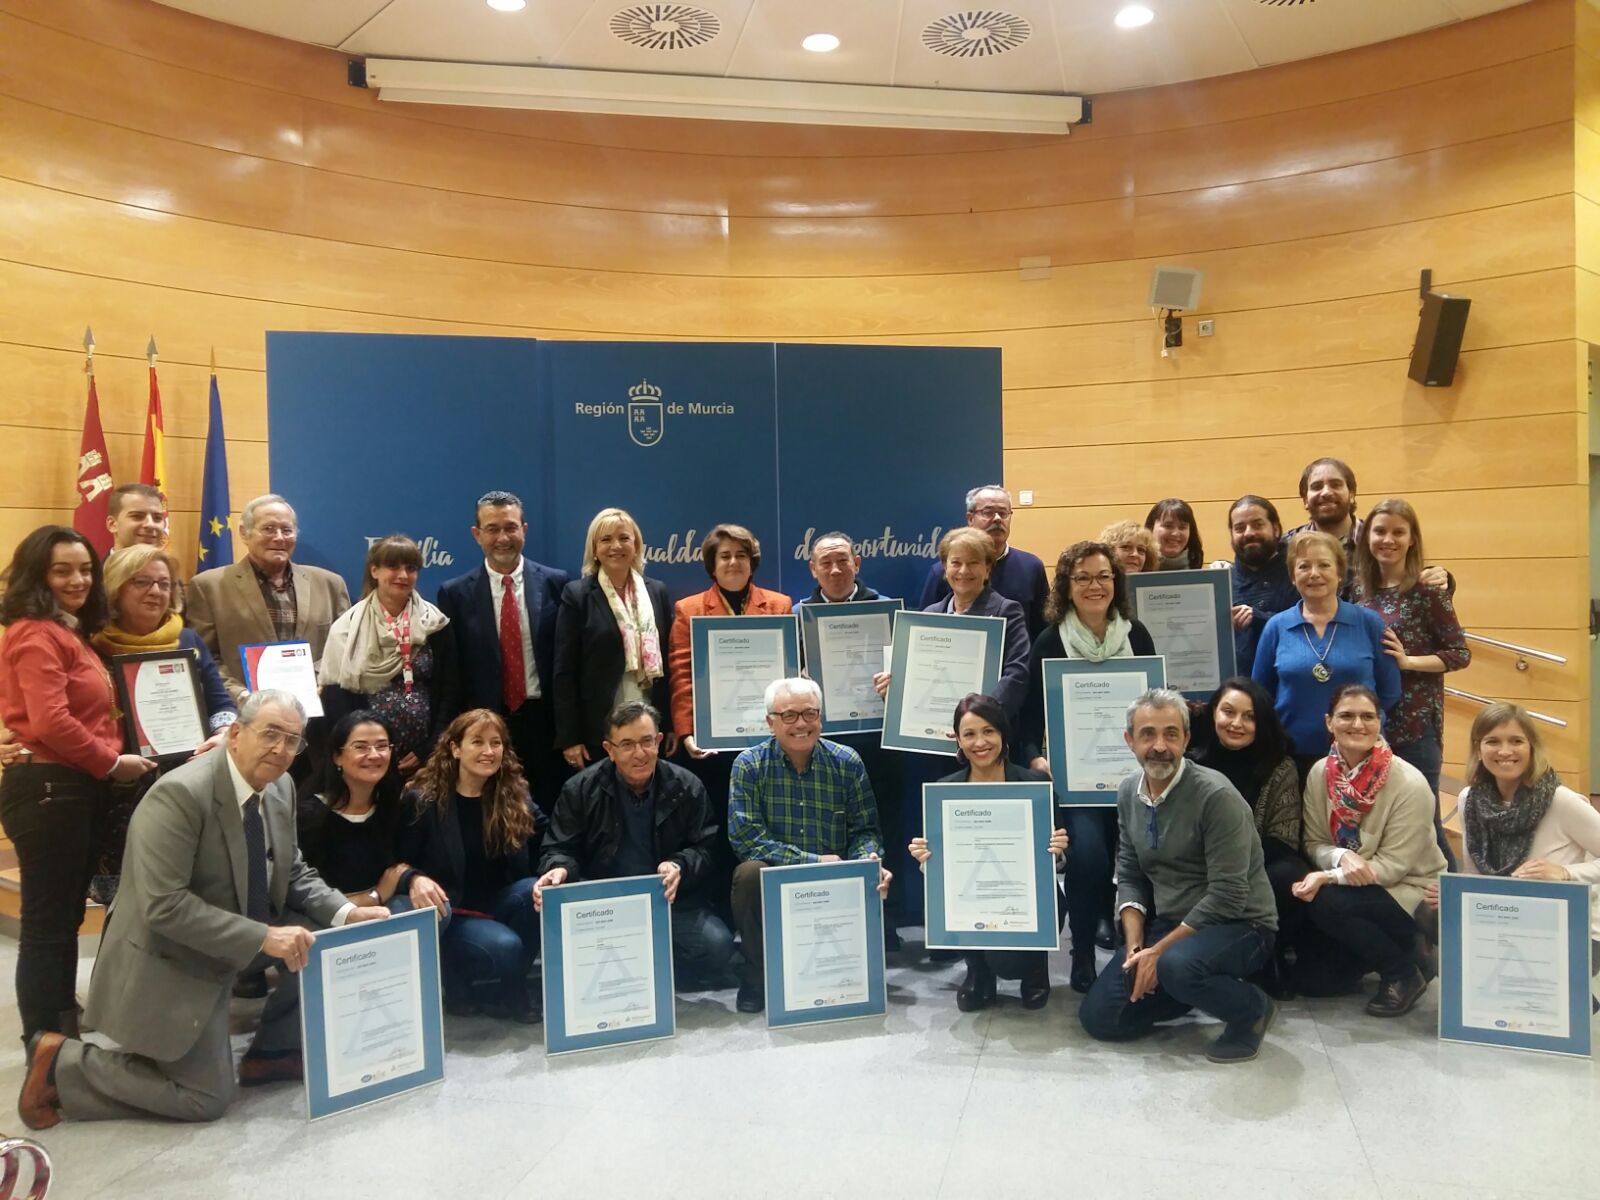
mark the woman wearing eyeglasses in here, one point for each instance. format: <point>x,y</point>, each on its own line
<point>56,698</point>
<point>1088,616</point>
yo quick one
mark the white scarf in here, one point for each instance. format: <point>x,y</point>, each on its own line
<point>1079,640</point>
<point>362,654</point>
<point>641,644</point>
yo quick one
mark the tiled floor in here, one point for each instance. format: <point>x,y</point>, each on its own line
<point>929,1103</point>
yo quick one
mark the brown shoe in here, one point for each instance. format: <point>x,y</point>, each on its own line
<point>258,1069</point>
<point>1395,999</point>
<point>38,1103</point>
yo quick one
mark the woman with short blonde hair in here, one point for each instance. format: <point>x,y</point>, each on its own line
<point>1133,544</point>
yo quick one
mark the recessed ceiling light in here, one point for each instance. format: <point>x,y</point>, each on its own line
<point>820,43</point>
<point>508,5</point>
<point>1132,16</point>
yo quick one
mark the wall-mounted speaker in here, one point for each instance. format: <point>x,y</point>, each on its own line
<point>1439,333</point>
<point>1175,288</point>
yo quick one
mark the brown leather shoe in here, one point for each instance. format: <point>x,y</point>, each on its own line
<point>1395,999</point>
<point>38,1102</point>
<point>258,1069</point>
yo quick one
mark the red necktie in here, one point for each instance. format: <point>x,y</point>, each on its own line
<point>513,680</point>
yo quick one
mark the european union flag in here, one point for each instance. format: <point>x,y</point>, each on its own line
<point>216,534</point>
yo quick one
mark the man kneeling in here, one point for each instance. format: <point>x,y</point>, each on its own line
<point>1192,893</point>
<point>632,814</point>
<point>212,884</point>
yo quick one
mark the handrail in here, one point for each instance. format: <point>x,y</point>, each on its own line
<point>1485,701</point>
<point>1520,651</point>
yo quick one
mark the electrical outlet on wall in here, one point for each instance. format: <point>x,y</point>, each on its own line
<point>1025,496</point>
<point>1205,328</point>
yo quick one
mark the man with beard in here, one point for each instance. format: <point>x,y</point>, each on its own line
<point>1261,584</point>
<point>1016,575</point>
<point>1192,895</point>
<point>1328,490</point>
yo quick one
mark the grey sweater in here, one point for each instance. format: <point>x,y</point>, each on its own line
<point>1206,865</point>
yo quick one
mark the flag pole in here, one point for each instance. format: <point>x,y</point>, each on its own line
<point>88,351</point>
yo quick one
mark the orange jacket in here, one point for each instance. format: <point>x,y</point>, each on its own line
<point>708,603</point>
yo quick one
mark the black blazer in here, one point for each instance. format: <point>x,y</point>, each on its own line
<point>429,841</point>
<point>1014,658</point>
<point>469,604</point>
<point>1030,730</point>
<point>588,662</point>
<point>444,691</point>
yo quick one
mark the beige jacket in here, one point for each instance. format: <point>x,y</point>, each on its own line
<point>1397,838</point>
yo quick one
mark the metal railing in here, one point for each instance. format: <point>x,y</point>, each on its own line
<point>1486,701</point>
<point>1523,653</point>
<point>14,1151</point>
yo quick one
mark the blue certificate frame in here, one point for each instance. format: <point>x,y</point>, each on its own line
<point>912,723</point>
<point>651,1013</point>
<point>854,995</point>
<point>1475,1002</point>
<point>359,961</point>
<point>1190,618</point>
<point>812,617</point>
<point>706,635</point>
<point>948,932</point>
<point>1086,773</point>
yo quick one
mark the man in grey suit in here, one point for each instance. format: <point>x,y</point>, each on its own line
<point>212,884</point>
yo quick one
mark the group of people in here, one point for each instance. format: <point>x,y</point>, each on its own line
<point>519,732</point>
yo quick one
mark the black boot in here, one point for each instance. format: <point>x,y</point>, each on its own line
<point>1036,986</point>
<point>978,988</point>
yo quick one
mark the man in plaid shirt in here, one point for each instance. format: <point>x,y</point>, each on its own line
<point>796,798</point>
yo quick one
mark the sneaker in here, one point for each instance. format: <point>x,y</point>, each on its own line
<point>1241,1043</point>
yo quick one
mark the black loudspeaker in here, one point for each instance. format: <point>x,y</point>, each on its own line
<point>1444,321</point>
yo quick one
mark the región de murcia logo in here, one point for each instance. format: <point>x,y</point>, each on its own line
<point>645,414</point>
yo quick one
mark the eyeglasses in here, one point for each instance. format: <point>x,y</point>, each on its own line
<point>989,514</point>
<point>1345,718</point>
<point>274,530</point>
<point>631,745</point>
<point>368,747</point>
<point>1104,579</point>
<point>150,585</point>
<point>272,738</point>
<point>797,714</point>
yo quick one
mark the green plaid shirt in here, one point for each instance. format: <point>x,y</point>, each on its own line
<point>779,816</point>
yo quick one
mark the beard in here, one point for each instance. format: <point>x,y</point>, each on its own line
<point>1160,765</point>
<point>1254,553</point>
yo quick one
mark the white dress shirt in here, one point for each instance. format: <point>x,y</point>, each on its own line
<point>242,792</point>
<point>497,587</point>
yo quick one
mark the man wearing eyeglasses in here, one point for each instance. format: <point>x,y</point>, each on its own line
<point>633,814</point>
<point>795,798</point>
<point>1016,575</point>
<point>212,884</point>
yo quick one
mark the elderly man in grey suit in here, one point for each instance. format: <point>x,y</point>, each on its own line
<point>212,883</point>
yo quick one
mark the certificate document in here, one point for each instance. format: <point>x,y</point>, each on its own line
<point>608,981</point>
<point>1190,618</point>
<point>372,1012</point>
<point>937,659</point>
<point>286,666</point>
<point>734,659</point>
<point>1514,965</point>
<point>989,849</point>
<point>159,694</point>
<point>825,943</point>
<point>845,644</point>
<point>1095,713</point>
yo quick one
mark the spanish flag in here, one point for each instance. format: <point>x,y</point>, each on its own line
<point>153,466</point>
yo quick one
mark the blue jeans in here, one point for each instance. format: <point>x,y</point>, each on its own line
<point>1427,756</point>
<point>488,957</point>
<point>701,945</point>
<point>1207,970</point>
<point>1091,852</point>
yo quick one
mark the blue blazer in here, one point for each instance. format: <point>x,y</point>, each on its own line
<point>469,604</point>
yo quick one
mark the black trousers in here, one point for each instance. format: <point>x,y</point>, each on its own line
<point>533,737</point>
<point>55,817</point>
<point>1367,924</point>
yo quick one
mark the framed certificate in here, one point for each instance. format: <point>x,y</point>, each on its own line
<point>1514,963</point>
<point>734,659</point>
<point>371,1020</point>
<point>937,659</point>
<point>1190,618</point>
<point>822,939</point>
<point>607,964</point>
<point>844,646</point>
<point>1085,716</point>
<point>287,666</point>
<point>163,708</point>
<point>991,883</point>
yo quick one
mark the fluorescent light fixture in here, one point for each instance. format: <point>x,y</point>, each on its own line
<point>820,43</point>
<point>508,5</point>
<point>1133,16</point>
<point>714,98</point>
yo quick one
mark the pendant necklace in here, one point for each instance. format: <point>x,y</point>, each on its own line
<point>1320,671</point>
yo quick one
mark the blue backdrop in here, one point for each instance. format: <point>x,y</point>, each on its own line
<point>372,434</point>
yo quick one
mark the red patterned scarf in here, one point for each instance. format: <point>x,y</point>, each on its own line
<point>1350,796</point>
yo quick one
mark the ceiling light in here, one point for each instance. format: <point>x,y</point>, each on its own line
<point>508,5</point>
<point>820,43</point>
<point>1131,17</point>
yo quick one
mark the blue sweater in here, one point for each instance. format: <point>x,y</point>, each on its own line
<point>1284,659</point>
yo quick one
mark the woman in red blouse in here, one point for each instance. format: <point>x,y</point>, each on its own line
<point>56,699</point>
<point>1423,637</point>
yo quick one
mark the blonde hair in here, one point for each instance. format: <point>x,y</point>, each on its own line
<point>1369,578</point>
<point>1131,533</point>
<point>965,537</point>
<point>1492,717</point>
<point>122,566</point>
<point>1308,540</point>
<point>603,521</point>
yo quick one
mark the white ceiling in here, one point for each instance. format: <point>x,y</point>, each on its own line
<point>1050,46</point>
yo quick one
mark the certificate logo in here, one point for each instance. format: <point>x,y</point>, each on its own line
<point>978,925</point>
<point>601,1025</point>
<point>645,414</point>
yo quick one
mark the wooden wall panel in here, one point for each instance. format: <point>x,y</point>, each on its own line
<point>163,174</point>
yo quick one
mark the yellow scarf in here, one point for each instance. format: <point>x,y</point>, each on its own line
<point>113,639</point>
